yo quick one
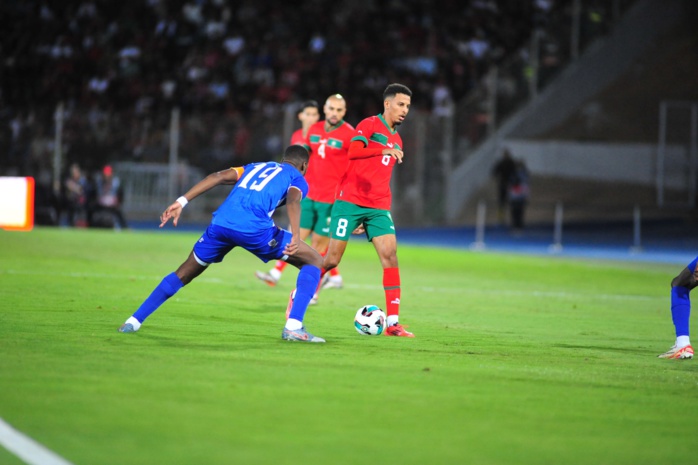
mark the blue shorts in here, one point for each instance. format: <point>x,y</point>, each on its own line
<point>217,241</point>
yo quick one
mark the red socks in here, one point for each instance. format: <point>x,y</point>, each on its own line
<point>280,265</point>
<point>391,285</point>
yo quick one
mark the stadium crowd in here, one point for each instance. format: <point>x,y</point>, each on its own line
<point>231,67</point>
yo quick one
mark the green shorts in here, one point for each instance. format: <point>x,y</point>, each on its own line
<point>316,216</point>
<point>346,217</point>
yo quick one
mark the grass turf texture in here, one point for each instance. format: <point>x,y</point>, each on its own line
<point>516,359</point>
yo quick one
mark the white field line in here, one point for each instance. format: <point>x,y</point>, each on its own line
<point>28,450</point>
<point>557,294</point>
<point>75,274</point>
<point>426,289</point>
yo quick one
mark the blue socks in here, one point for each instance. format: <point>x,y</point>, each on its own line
<point>306,284</point>
<point>166,289</point>
<point>680,309</point>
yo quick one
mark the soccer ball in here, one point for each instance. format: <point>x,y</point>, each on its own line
<point>369,320</point>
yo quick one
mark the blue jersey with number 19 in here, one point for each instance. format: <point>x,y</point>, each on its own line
<point>262,188</point>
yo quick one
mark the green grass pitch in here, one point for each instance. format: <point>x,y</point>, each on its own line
<point>516,360</point>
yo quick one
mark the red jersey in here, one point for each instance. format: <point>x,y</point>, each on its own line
<point>367,180</point>
<point>298,139</point>
<point>328,159</point>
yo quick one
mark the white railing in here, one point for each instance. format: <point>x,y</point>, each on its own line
<point>148,191</point>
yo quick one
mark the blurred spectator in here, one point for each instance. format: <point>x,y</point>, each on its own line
<point>518,195</point>
<point>47,205</point>
<point>106,211</point>
<point>503,171</point>
<point>442,105</point>
<point>241,62</point>
<point>76,190</point>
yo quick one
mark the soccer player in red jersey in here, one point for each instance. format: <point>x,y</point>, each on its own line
<point>308,114</point>
<point>328,142</point>
<point>364,197</point>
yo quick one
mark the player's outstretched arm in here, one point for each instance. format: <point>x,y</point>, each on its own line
<point>225,177</point>
<point>357,150</point>
<point>293,209</point>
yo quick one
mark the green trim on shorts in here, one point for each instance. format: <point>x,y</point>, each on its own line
<point>346,217</point>
<point>316,216</point>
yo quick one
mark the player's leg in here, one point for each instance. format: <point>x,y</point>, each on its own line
<point>380,230</point>
<point>332,279</point>
<point>335,252</point>
<point>212,250</point>
<point>386,247</point>
<point>308,261</point>
<point>321,241</point>
<point>168,287</point>
<point>345,218</point>
<point>314,244</point>
<point>681,286</point>
<point>338,281</point>
<point>272,276</point>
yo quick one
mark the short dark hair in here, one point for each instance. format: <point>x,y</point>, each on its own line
<point>308,104</point>
<point>296,154</point>
<point>393,89</point>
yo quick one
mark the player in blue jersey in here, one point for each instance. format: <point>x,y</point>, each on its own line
<point>681,287</point>
<point>244,220</point>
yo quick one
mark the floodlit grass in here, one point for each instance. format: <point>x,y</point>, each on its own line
<point>526,360</point>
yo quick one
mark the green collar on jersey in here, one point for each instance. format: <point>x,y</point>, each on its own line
<point>392,131</point>
<point>332,128</point>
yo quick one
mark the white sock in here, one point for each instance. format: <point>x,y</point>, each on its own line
<point>274,273</point>
<point>682,341</point>
<point>392,320</point>
<point>292,324</point>
<point>135,323</point>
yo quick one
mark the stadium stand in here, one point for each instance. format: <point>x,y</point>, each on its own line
<point>234,68</point>
<point>120,66</point>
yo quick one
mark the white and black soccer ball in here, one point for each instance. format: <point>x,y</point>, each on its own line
<point>369,320</point>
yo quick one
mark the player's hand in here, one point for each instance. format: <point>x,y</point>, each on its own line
<point>173,211</point>
<point>360,229</point>
<point>395,153</point>
<point>292,247</point>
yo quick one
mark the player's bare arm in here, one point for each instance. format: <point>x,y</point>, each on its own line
<point>225,177</point>
<point>293,208</point>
